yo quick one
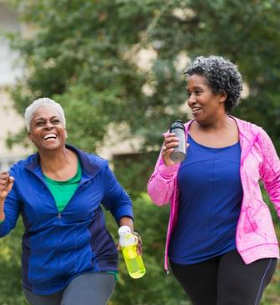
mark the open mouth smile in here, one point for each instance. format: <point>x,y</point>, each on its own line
<point>50,137</point>
<point>195,110</point>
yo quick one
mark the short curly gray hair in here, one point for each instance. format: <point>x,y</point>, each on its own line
<point>45,101</point>
<point>222,76</point>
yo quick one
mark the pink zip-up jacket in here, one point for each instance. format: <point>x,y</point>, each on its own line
<point>255,234</point>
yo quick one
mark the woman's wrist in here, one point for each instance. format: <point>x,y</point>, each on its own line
<point>2,217</point>
<point>126,221</point>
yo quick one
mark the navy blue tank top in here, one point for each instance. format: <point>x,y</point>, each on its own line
<point>210,195</point>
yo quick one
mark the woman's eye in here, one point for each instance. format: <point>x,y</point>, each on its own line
<point>56,121</point>
<point>39,124</point>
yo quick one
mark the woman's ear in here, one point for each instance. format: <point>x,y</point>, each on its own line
<point>223,97</point>
<point>30,137</point>
<point>66,135</point>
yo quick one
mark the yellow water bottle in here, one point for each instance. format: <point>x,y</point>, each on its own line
<point>133,260</point>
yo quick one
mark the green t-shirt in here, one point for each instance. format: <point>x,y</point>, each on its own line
<point>63,191</point>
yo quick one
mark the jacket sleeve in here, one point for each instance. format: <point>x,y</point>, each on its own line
<point>270,170</point>
<point>11,210</point>
<point>162,182</point>
<point>116,199</point>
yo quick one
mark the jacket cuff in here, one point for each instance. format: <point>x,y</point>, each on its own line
<point>123,212</point>
<point>168,171</point>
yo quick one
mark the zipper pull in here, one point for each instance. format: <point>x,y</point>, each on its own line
<point>59,215</point>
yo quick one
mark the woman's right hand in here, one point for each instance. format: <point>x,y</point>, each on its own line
<point>6,184</point>
<point>170,142</point>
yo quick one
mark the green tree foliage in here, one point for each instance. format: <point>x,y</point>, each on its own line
<point>84,54</point>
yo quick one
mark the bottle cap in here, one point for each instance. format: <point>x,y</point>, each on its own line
<point>126,237</point>
<point>177,124</point>
<point>124,230</point>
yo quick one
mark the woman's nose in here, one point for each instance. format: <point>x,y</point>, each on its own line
<point>191,99</point>
<point>49,125</point>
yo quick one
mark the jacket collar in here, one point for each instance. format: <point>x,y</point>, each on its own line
<point>88,165</point>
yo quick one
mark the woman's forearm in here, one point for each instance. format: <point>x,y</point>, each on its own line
<point>2,215</point>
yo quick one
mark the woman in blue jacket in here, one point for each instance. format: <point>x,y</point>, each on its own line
<point>68,256</point>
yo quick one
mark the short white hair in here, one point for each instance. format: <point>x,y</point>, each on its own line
<point>45,101</point>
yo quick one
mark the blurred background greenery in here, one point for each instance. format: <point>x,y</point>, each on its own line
<point>85,55</point>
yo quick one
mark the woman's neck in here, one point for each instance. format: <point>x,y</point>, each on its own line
<point>222,133</point>
<point>221,124</point>
<point>58,165</point>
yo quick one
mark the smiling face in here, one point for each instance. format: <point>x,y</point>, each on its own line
<point>206,106</point>
<point>47,130</point>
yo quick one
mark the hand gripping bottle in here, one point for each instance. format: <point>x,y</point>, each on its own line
<point>179,153</point>
<point>133,260</point>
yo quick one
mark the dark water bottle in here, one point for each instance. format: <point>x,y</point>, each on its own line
<point>179,153</point>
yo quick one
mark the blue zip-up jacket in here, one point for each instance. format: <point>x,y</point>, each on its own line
<point>56,247</point>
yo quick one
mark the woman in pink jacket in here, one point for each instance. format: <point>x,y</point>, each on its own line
<point>221,243</point>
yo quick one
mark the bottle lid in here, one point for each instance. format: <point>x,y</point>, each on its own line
<point>124,230</point>
<point>177,124</point>
<point>126,237</point>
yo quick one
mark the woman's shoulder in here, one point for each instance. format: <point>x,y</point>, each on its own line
<point>95,159</point>
<point>248,126</point>
<point>86,155</point>
<point>253,131</point>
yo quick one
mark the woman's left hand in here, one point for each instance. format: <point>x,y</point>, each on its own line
<point>139,243</point>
